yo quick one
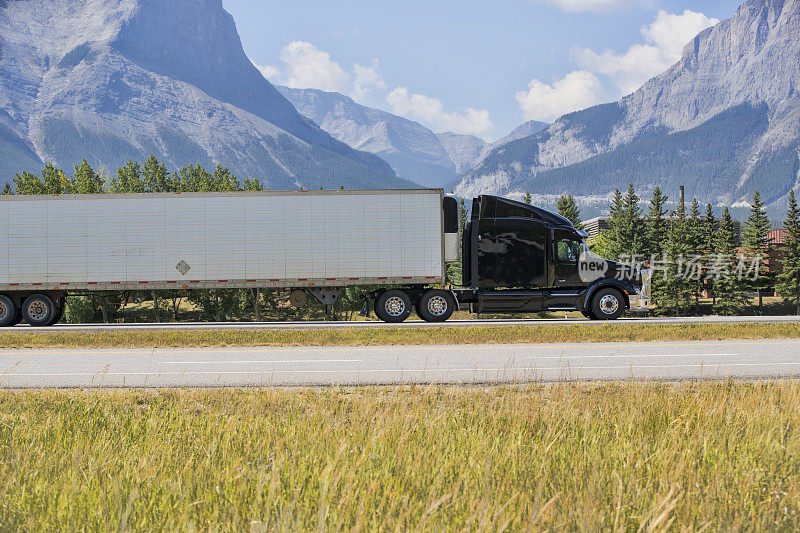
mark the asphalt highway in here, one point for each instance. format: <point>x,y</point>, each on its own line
<point>262,367</point>
<point>408,324</point>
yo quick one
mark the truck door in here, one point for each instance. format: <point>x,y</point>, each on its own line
<point>566,252</point>
<point>521,252</point>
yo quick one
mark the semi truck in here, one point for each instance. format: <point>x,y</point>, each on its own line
<point>516,258</point>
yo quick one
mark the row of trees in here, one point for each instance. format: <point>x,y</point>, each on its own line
<point>691,252</point>
<point>153,176</point>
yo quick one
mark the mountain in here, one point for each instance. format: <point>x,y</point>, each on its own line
<point>724,121</point>
<point>116,79</point>
<point>464,150</point>
<point>527,129</point>
<point>413,151</point>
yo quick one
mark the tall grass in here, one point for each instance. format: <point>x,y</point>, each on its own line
<point>553,333</point>
<point>614,456</point>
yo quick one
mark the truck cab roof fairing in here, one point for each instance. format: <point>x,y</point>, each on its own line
<point>498,207</point>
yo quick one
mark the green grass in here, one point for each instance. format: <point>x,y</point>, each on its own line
<point>399,336</point>
<point>597,457</point>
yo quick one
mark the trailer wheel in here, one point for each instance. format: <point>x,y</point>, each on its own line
<point>436,306</point>
<point>8,311</point>
<point>607,304</point>
<point>59,313</point>
<point>38,310</point>
<point>393,306</point>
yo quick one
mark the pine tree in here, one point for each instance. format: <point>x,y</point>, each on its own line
<point>709,236</point>
<point>728,288</point>
<point>677,288</point>
<point>568,208</point>
<point>656,227</point>
<point>695,252</point>
<point>7,189</point>
<point>128,180</point>
<point>656,224</point>
<point>86,180</point>
<point>155,176</point>
<point>628,233</point>
<point>527,198</point>
<point>756,242</point>
<point>788,284</point>
<point>54,179</point>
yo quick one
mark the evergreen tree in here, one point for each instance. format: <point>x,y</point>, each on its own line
<point>27,183</point>
<point>54,179</point>
<point>527,198</point>
<point>677,287</point>
<point>728,288</point>
<point>695,252</point>
<point>756,243</point>
<point>86,180</point>
<point>709,236</point>
<point>155,176</point>
<point>568,208</point>
<point>788,284</point>
<point>7,189</point>
<point>656,224</point>
<point>628,237</point>
<point>128,180</point>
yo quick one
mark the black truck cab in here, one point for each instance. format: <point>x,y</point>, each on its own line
<point>517,258</point>
<point>520,258</point>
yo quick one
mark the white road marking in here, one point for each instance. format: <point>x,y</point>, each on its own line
<point>261,361</point>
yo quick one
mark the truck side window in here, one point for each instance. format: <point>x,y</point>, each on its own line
<point>568,250</point>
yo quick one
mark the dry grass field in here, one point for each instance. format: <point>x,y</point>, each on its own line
<point>630,456</point>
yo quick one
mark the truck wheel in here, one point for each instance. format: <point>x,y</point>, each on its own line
<point>608,304</point>
<point>38,310</point>
<point>436,306</point>
<point>393,306</point>
<point>8,311</point>
<point>588,314</point>
<point>59,314</point>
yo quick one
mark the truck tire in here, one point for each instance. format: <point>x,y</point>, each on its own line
<point>436,306</point>
<point>59,313</point>
<point>8,311</point>
<point>38,310</point>
<point>607,304</point>
<point>393,306</point>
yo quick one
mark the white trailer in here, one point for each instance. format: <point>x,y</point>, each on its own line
<point>319,241</point>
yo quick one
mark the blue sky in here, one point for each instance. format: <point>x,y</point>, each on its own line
<point>471,66</point>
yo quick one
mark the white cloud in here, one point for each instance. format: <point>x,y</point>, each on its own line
<point>596,6</point>
<point>269,72</point>
<point>431,112</point>
<point>309,67</point>
<point>663,46</point>
<point>577,90</point>
<point>367,79</point>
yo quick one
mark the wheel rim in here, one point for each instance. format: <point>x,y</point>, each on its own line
<point>37,310</point>
<point>609,304</point>
<point>4,311</point>
<point>395,306</point>
<point>437,306</point>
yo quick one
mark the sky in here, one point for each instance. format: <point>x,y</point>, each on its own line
<point>469,66</point>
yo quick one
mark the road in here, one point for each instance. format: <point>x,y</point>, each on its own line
<point>247,367</point>
<point>409,324</point>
